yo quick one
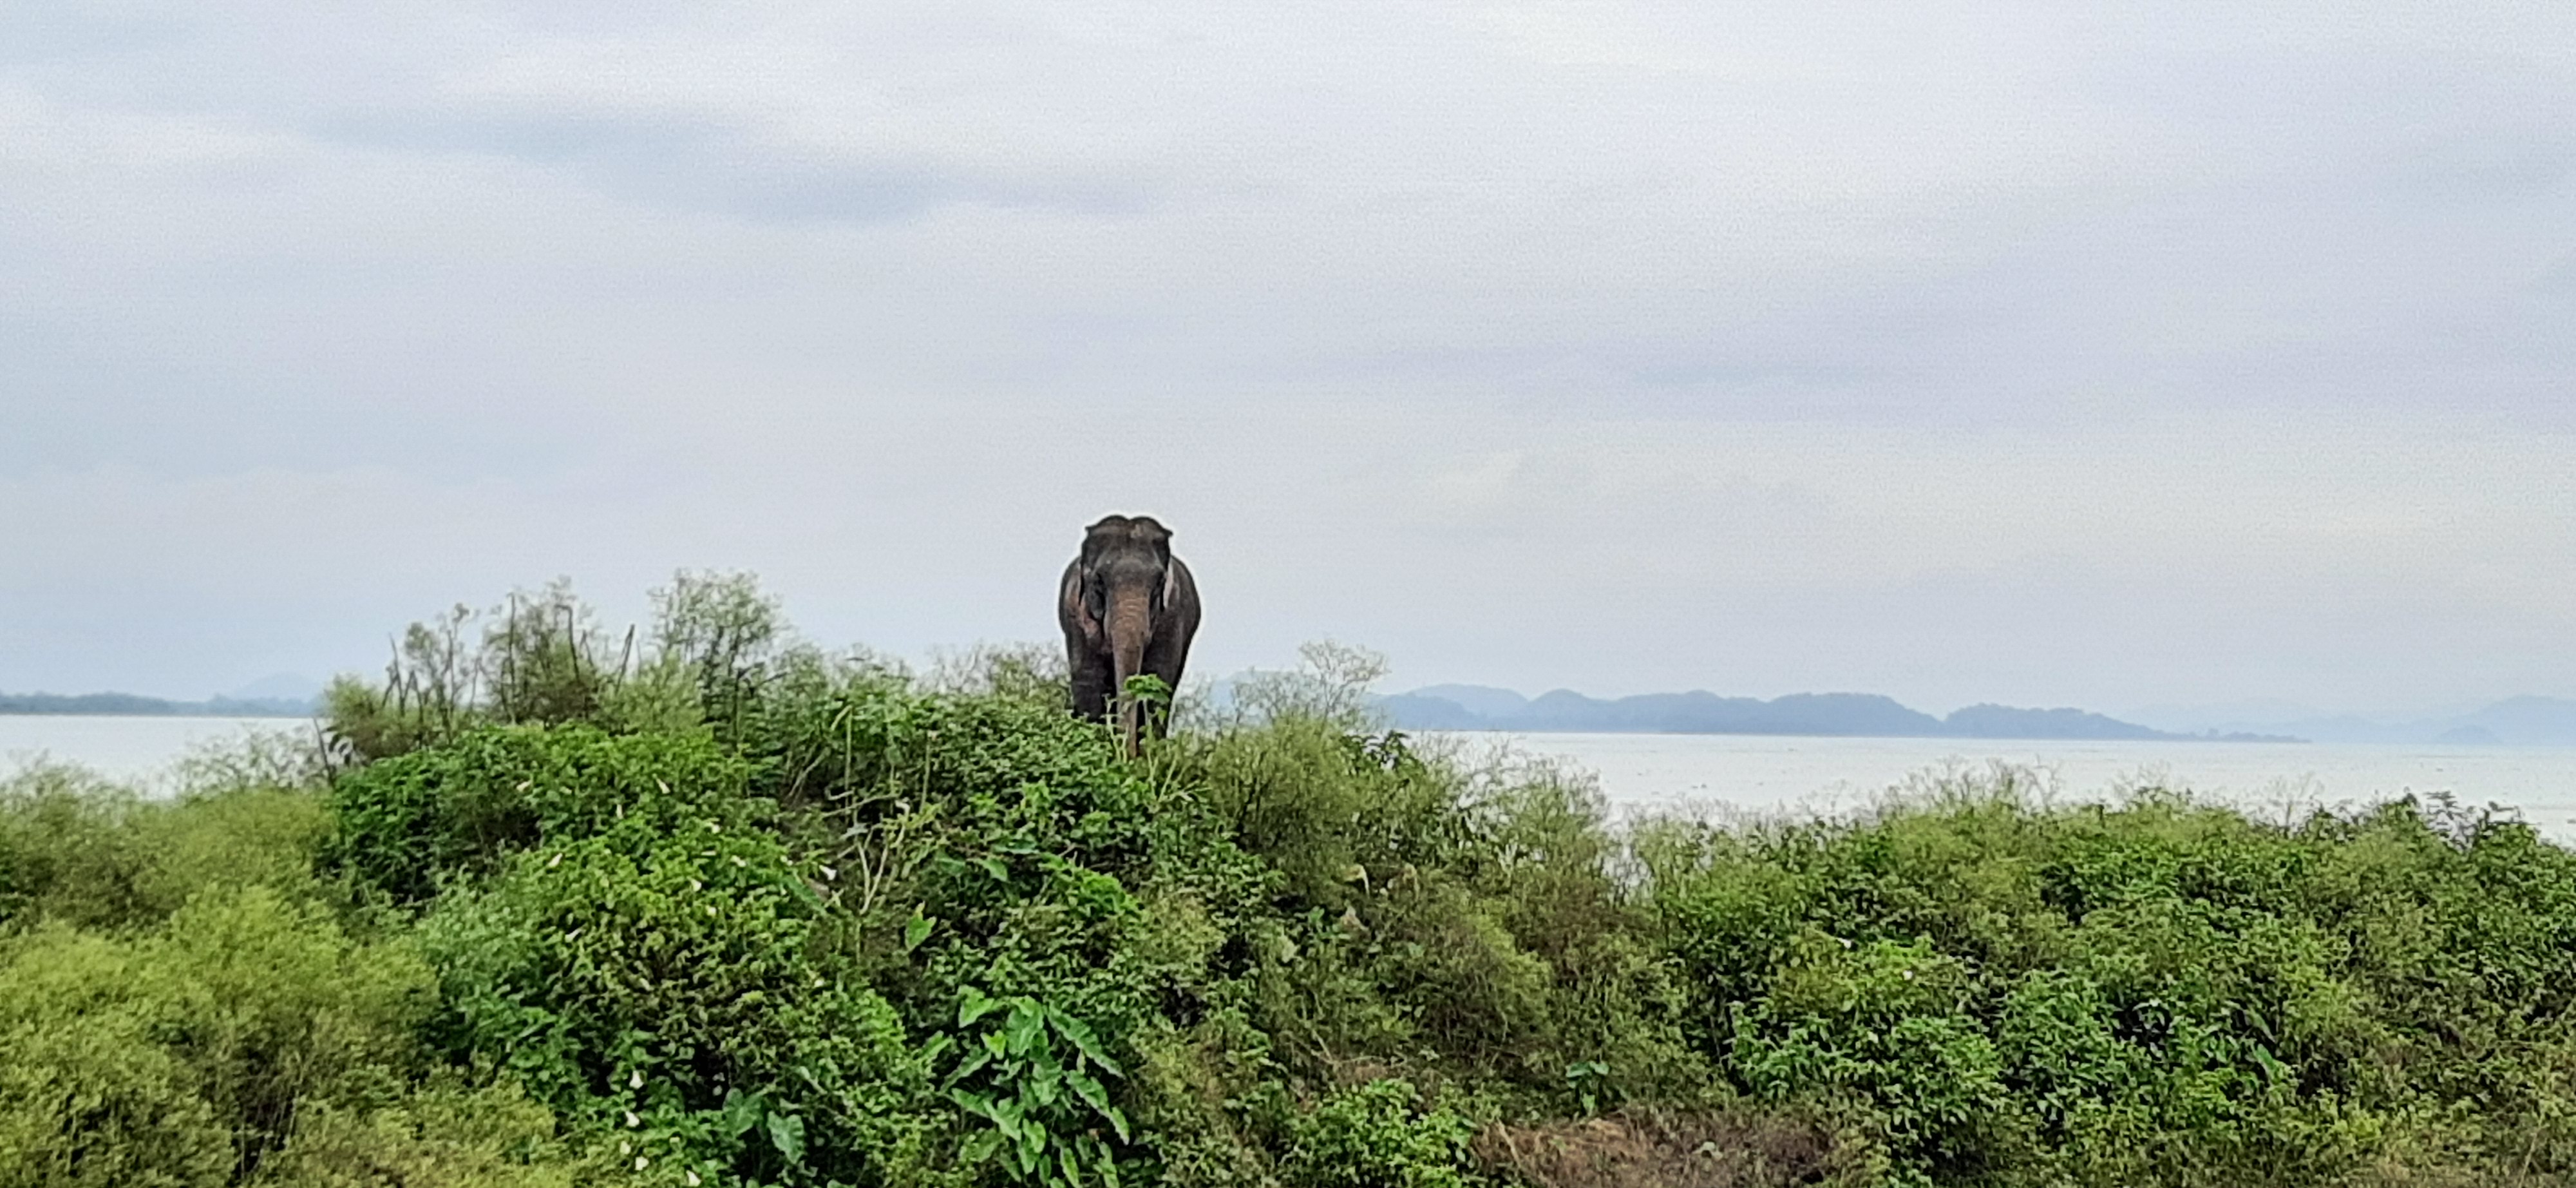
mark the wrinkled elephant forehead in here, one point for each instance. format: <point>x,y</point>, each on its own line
<point>1128,569</point>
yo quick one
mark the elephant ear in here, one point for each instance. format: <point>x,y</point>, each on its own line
<point>1074,607</point>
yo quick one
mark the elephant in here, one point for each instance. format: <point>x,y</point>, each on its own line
<point>1128,607</point>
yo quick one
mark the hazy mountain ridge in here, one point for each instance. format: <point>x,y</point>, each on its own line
<point>2515,721</point>
<point>1477,707</point>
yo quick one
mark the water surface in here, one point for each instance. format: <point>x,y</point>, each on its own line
<point>130,750</point>
<point>1764,774</point>
<point>1717,774</point>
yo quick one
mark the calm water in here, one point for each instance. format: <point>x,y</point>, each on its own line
<point>133,750</point>
<point>1760,775</point>
<point>1719,773</point>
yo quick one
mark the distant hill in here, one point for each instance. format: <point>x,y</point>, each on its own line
<point>1483,700</point>
<point>2525,721</point>
<point>133,706</point>
<point>2513,722</point>
<point>1476,707</point>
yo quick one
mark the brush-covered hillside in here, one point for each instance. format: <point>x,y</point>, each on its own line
<point>701,905</point>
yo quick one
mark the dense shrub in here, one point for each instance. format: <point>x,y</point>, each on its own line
<point>190,1053</point>
<point>67,849</point>
<point>649,982</point>
<point>714,907</point>
<point>410,824</point>
<point>441,1134</point>
<point>2154,992</point>
<point>1378,1133</point>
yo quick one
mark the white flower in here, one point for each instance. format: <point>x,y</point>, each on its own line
<point>737,861</point>
<point>554,862</point>
<point>640,1161</point>
<point>693,1180</point>
<point>829,873</point>
<point>632,1121</point>
<point>635,1079</point>
<point>695,885</point>
<point>625,1148</point>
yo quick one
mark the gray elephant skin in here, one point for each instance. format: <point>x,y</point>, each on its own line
<point>1128,607</point>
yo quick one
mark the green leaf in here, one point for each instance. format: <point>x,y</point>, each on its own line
<point>1091,1093</point>
<point>787,1133</point>
<point>1106,1163</point>
<point>972,1004</point>
<point>1118,1122</point>
<point>916,932</point>
<point>1145,686</point>
<point>1023,1027</point>
<point>1078,1033</point>
<point>1003,1114</point>
<point>2274,1072</point>
<point>975,1061</point>
<point>937,1048</point>
<point>740,1113</point>
<point>994,867</point>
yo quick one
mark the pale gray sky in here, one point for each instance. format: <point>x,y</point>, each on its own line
<point>2045,354</point>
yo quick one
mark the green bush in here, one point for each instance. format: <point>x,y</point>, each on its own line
<point>1041,1079</point>
<point>186,1054</point>
<point>710,907</point>
<point>1888,1031</point>
<point>411,824</point>
<point>647,984</point>
<point>1379,1134</point>
<point>444,1134</point>
<point>68,849</point>
<point>92,1094</point>
<point>76,850</point>
<point>2150,993</point>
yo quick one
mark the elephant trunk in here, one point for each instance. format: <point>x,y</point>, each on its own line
<point>1130,624</point>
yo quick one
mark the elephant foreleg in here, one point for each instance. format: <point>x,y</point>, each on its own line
<point>1091,679</point>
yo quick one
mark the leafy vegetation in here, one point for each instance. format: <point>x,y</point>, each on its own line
<point>704,905</point>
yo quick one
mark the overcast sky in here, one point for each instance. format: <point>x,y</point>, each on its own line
<point>2037,354</point>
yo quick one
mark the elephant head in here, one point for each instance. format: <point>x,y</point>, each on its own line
<point>1128,607</point>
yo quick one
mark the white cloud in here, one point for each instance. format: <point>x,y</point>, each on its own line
<point>2030,353</point>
